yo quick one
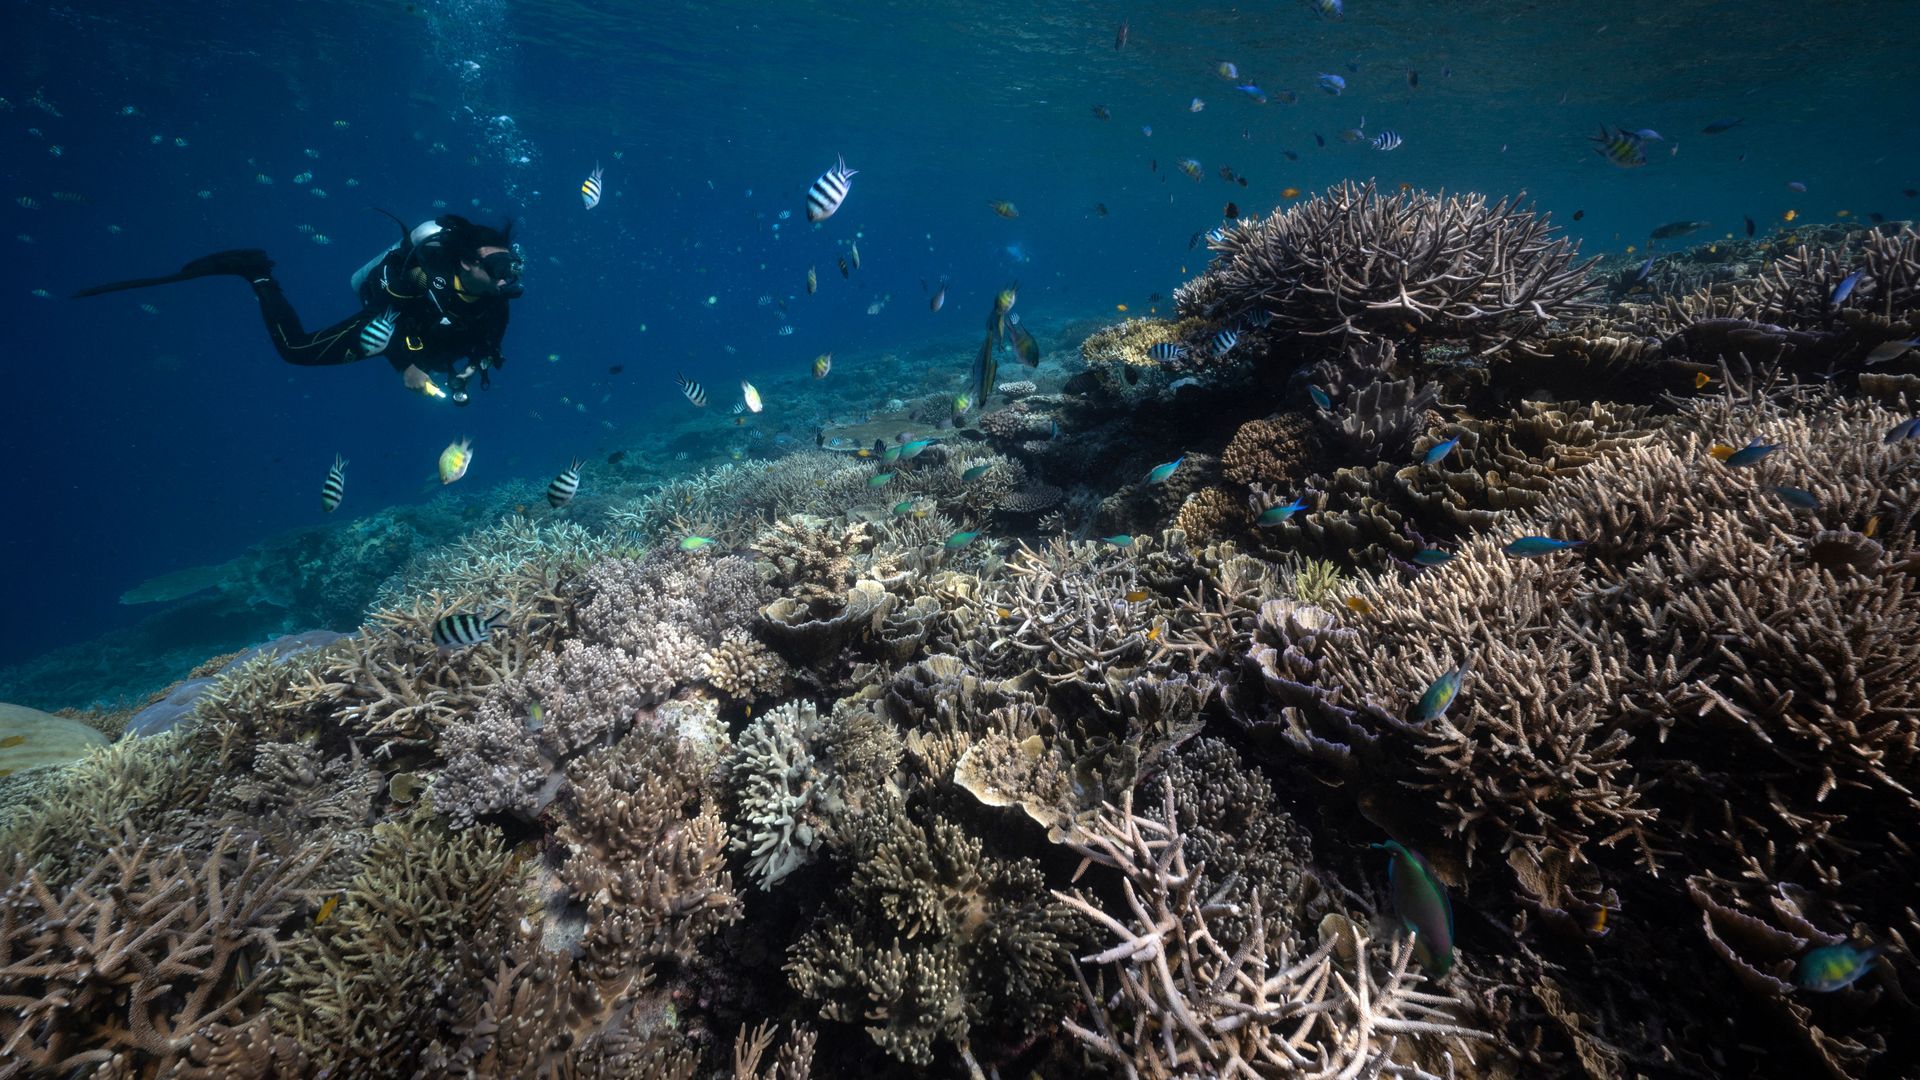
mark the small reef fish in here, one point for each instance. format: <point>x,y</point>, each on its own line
<point>334,487</point>
<point>853,252</point>
<point>1905,429</point>
<point>561,489</point>
<point>1100,112</point>
<point>1749,222</point>
<point>1532,547</point>
<point>1331,9</point>
<point>454,460</point>
<point>1024,345</point>
<point>1120,36</point>
<point>975,473</point>
<point>1420,902</point>
<point>1226,70</point>
<point>1677,228</point>
<point>961,539</point>
<point>842,262</point>
<point>1889,350</point>
<point>1438,452</point>
<point>1275,515</point>
<point>1224,341</point>
<point>750,396</point>
<point>375,336</point>
<point>1701,379</point>
<point>1386,140</point>
<point>1320,398</point>
<point>1619,147</point>
<point>939,297</point>
<point>879,480</point>
<point>1359,605</point>
<point>1004,208</point>
<point>813,281</point>
<point>1332,84</point>
<point>590,188</point>
<point>904,506</point>
<point>465,628</point>
<point>1258,95</point>
<point>1136,596</point>
<point>1800,498</point>
<point>909,451</point>
<point>1796,186</point>
<point>327,908</point>
<point>1832,967</point>
<point>1845,288</point>
<point>1159,474</point>
<point>1190,167</point>
<point>1196,105</point>
<point>1719,126</point>
<point>828,192</point>
<point>694,543</point>
<point>822,364</point>
<point>693,391</point>
<point>1439,695</point>
<point>1433,557</point>
<point>1750,454</point>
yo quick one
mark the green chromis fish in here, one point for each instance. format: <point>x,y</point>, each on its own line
<point>914,449</point>
<point>1832,967</point>
<point>1120,541</point>
<point>879,479</point>
<point>960,539</point>
<point>1432,557</point>
<point>903,507</point>
<point>1420,902</point>
<point>1439,696</point>
<point>1320,398</point>
<point>975,473</point>
<point>1798,498</point>
<point>694,543</point>
<point>1750,454</point>
<point>1438,452</point>
<point>1532,547</point>
<point>890,455</point>
<point>1275,515</point>
<point>1161,473</point>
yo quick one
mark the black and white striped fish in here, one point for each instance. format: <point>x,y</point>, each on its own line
<point>375,335</point>
<point>465,628</point>
<point>739,409</point>
<point>561,488</point>
<point>590,190</point>
<point>828,192</point>
<point>694,391</point>
<point>1224,341</point>
<point>1260,317</point>
<point>1167,350</point>
<point>334,487</point>
<point>1386,140</point>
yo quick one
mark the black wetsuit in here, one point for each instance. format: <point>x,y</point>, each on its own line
<point>438,325</point>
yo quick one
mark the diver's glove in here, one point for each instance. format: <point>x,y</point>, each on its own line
<point>419,382</point>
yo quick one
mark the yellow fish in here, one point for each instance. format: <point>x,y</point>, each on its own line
<point>1843,213</point>
<point>1873,526</point>
<point>1789,215</point>
<point>326,910</point>
<point>1631,248</point>
<point>1154,634</point>
<point>1720,451</point>
<point>1003,208</point>
<point>1005,613</point>
<point>1137,595</point>
<point>1119,307</point>
<point>1290,193</point>
<point>455,459</point>
<point>1701,379</point>
<point>1358,605</point>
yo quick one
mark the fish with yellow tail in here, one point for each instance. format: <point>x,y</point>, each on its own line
<point>455,459</point>
<point>1439,696</point>
<point>1833,967</point>
<point>751,396</point>
<point>997,320</point>
<point>822,364</point>
<point>813,281</point>
<point>1004,208</point>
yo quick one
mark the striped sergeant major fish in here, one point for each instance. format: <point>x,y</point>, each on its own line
<point>466,628</point>
<point>1224,341</point>
<point>1619,147</point>
<point>694,391</point>
<point>590,189</point>
<point>334,487</point>
<point>1386,140</point>
<point>560,489</point>
<point>1167,350</point>
<point>828,192</point>
<point>375,335</point>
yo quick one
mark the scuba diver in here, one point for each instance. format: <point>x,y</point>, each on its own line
<point>435,304</point>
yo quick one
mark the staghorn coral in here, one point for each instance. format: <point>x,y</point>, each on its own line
<point>140,966</point>
<point>1190,998</point>
<point>935,942</point>
<point>1354,263</point>
<point>413,936</point>
<point>473,563</point>
<point>65,823</point>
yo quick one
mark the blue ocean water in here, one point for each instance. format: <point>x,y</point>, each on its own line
<point>144,439</point>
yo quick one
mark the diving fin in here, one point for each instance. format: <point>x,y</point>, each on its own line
<point>249,263</point>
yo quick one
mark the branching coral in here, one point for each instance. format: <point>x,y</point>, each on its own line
<point>141,966</point>
<point>1352,262</point>
<point>743,669</point>
<point>934,942</point>
<point>1190,999</point>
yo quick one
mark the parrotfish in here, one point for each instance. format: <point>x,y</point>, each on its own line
<point>1421,903</point>
<point>1833,967</point>
<point>1529,547</point>
<point>1120,541</point>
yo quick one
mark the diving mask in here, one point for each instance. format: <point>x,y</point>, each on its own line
<point>504,268</point>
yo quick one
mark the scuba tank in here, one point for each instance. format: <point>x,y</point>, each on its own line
<point>419,235</point>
